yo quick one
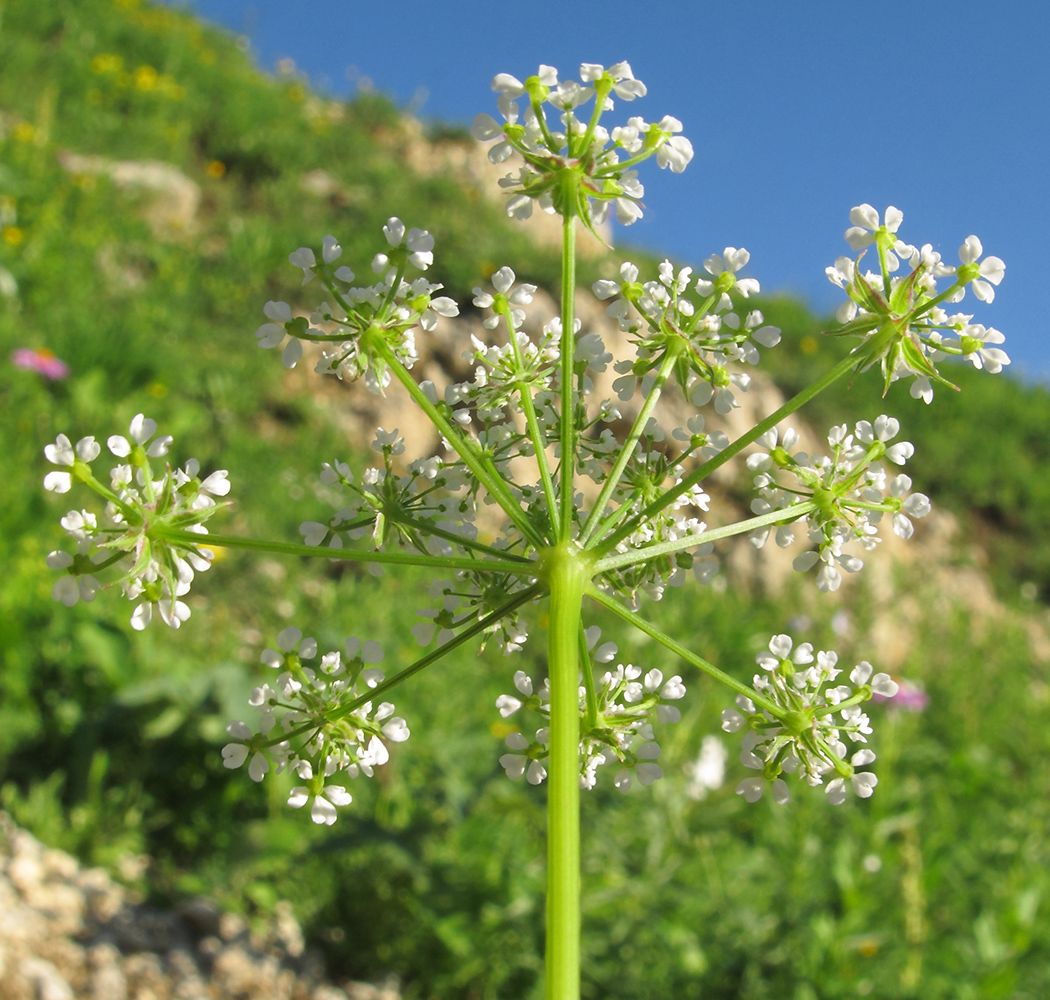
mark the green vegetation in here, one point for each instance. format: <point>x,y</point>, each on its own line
<point>109,741</point>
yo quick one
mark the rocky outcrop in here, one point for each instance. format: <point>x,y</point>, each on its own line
<point>68,932</point>
<point>171,199</point>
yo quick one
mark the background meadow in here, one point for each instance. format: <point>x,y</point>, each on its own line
<point>149,292</point>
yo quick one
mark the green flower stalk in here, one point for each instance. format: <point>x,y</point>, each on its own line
<point>528,435</point>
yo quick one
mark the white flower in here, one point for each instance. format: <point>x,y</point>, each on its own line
<point>507,705</point>
<point>370,651</point>
<point>863,784</point>
<point>675,153</point>
<point>511,86</point>
<point>58,482</point>
<point>142,431</point>
<point>330,249</point>
<point>992,269</point>
<point>313,532</point>
<point>173,612</point>
<point>536,773</point>
<point>289,641</point>
<point>420,244</point>
<point>271,334</point>
<point>752,788</point>
<point>235,754</point>
<point>292,352</point>
<point>625,85</point>
<point>217,484</point>
<point>799,729</point>
<point>304,258</point>
<point>278,312</point>
<point>780,647</point>
<point>61,452</point>
<point>707,773</point>
<point>485,127</point>
<point>352,742</point>
<point>865,221</point>
<point>973,340</point>
<point>842,274</point>
<point>70,589</point>
<point>388,441</point>
<point>323,806</point>
<point>731,259</point>
<point>396,730</point>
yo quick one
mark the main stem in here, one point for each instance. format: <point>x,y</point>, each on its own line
<point>567,578</point>
<point>568,355</point>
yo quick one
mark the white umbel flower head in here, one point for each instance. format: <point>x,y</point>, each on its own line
<point>798,719</point>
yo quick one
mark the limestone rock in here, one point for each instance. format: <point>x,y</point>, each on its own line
<point>68,932</point>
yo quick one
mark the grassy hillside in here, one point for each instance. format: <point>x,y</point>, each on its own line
<point>936,888</point>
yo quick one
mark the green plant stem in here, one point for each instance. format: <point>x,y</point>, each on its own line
<point>691,658</point>
<point>465,448</point>
<point>493,618</point>
<point>591,696</point>
<point>345,555</point>
<point>617,515</point>
<point>700,474</point>
<point>647,552</point>
<point>567,578</point>
<point>429,529</point>
<point>82,471</point>
<point>638,428</point>
<point>539,444</point>
<point>568,355</point>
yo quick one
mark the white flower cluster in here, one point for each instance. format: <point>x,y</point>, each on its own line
<point>317,722</point>
<point>616,728</point>
<point>647,473</point>
<point>404,510</point>
<point>504,371</point>
<point>805,718</point>
<point>467,598</point>
<point>898,310</point>
<point>851,487</point>
<point>602,161</point>
<point>429,509</point>
<point>131,535</point>
<point>714,334</point>
<point>387,313</point>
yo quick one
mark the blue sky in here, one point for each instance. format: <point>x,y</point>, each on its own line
<point>797,112</point>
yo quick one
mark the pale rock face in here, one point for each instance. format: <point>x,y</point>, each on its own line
<point>68,932</point>
<point>173,198</point>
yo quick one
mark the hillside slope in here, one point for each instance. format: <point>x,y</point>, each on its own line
<point>152,183</point>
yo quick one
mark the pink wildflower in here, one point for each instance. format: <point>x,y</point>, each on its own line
<point>41,360</point>
<point>909,697</point>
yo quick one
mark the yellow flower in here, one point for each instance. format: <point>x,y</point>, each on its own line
<point>106,63</point>
<point>145,78</point>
